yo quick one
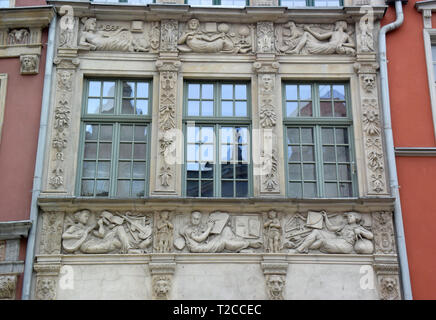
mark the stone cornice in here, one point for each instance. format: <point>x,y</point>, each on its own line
<point>28,17</point>
<point>425,5</point>
<point>250,14</point>
<point>14,229</point>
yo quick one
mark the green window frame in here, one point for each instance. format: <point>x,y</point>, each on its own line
<point>311,3</point>
<point>217,127</point>
<point>319,149</point>
<point>138,2</point>
<point>218,2</point>
<point>115,138</point>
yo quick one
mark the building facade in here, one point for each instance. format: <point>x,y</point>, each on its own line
<point>215,151</point>
<point>23,38</point>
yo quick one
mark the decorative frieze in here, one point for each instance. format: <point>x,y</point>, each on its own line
<point>51,232</point>
<point>383,228</point>
<point>169,35</point>
<point>265,37</point>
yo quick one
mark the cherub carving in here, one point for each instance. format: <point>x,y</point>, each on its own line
<point>272,232</point>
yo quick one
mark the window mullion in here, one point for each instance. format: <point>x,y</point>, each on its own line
<point>217,173</point>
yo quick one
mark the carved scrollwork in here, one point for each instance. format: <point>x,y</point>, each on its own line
<point>7,286</point>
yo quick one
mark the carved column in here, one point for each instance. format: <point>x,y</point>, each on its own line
<point>267,135</point>
<point>162,270</point>
<point>46,280</point>
<point>275,269</point>
<point>371,128</point>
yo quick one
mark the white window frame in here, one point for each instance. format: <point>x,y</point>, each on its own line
<point>3,85</point>
<point>429,38</point>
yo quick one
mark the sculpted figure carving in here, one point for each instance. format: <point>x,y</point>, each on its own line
<point>29,64</point>
<point>275,284</point>
<point>18,36</point>
<point>341,238</point>
<point>389,290</point>
<point>287,37</point>
<point>205,238</point>
<point>66,25</point>
<point>336,41</point>
<point>164,233</point>
<point>119,40</point>
<point>45,289</point>
<point>161,287</point>
<point>195,40</point>
<point>273,232</point>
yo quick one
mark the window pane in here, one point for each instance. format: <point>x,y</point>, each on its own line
<point>241,171</point>
<point>227,108</point>
<point>292,109</point>
<point>241,188</point>
<point>193,91</point>
<point>124,169</point>
<point>128,89</point>
<point>226,135</point>
<point>88,169</point>
<point>207,108</point>
<point>193,170</point>
<point>105,151</point>
<point>325,92</point>
<point>207,91</point>
<point>308,153</point>
<point>91,132</point>
<point>329,154</point>
<point>90,150</point>
<point>207,153</point>
<point>241,92</point>
<point>93,106</point>
<point>125,150</point>
<point>309,172</point>
<point>192,153</point>
<point>123,188</point>
<point>207,135</point>
<point>241,109</point>
<point>331,190</point>
<point>306,109</point>
<point>305,92</point>
<point>340,109</point>
<point>226,153</point>
<point>295,190</point>
<point>126,133</point>
<point>102,188</point>
<point>138,189</point>
<point>306,135</point>
<point>140,133</point>
<point>142,107</point>
<point>326,109</point>
<point>291,92</point>
<point>339,92</point>
<point>87,188</point>
<point>193,134</point>
<point>108,89</point>
<point>344,172</point>
<point>294,153</point>
<point>327,136</point>
<point>207,188</point>
<point>346,190</point>
<point>104,169</point>
<point>207,171</point>
<point>192,188</point>
<point>94,89</point>
<point>294,171</point>
<point>329,171</point>
<point>193,108</point>
<point>106,133</point>
<point>293,135</point>
<point>142,90</point>
<point>107,106</point>
<point>341,136</point>
<point>139,151</point>
<point>227,171</point>
<point>343,154</point>
<point>227,188</point>
<point>127,106</point>
<point>139,170</point>
<point>310,190</point>
<point>227,91</point>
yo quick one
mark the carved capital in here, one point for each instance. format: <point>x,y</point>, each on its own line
<point>365,68</point>
<point>168,65</point>
<point>266,67</point>
<point>66,62</point>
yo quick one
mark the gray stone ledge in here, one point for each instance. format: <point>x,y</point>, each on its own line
<point>14,229</point>
<point>15,267</point>
<point>415,151</point>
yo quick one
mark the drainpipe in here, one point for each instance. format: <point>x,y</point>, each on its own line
<point>39,162</point>
<point>393,178</point>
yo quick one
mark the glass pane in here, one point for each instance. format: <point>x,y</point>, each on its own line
<point>433,51</point>
<point>343,154</point>
<point>329,171</point>
<point>241,171</point>
<point>294,153</point>
<point>241,135</point>
<point>341,136</point>
<point>227,108</point>
<point>207,135</point>
<point>226,135</point>
<point>226,153</point>
<point>306,135</point>
<point>102,188</point>
<point>194,91</point>
<point>207,188</point>
<point>308,153</point>
<point>331,190</point>
<point>310,190</point>
<point>125,150</point>
<point>91,132</point>
<point>142,107</point>
<point>192,170</point>
<point>139,170</point>
<point>94,89</point>
<point>240,92</point>
<point>105,150</point>
<point>305,92</point>
<point>292,109</point>
<point>294,171</point>
<point>107,106</point>
<point>293,135</point>
<point>193,108</point>
<point>142,89</point>
<point>241,188</point>
<point>192,152</point>
<point>140,133</point>
<point>138,188</point>
<point>88,169</point>
<point>87,188</point>
<point>193,134</point>
<point>326,109</point>
<point>329,154</point>
<point>90,150</point>
<point>339,92</point>
<point>242,153</point>
<point>123,188</point>
<point>206,153</point>
<point>207,171</point>
<point>192,188</point>
<point>240,109</point>
<point>344,172</point>
<point>345,190</point>
<point>324,92</point>
<point>207,108</point>
<point>340,109</point>
<point>93,106</point>
<point>227,171</point>
<point>139,151</point>
<point>227,91</point>
<point>106,133</point>
<point>104,169</point>
<point>291,92</point>
<point>108,89</point>
<point>327,136</point>
<point>124,169</point>
<point>128,89</point>
<point>127,106</point>
<point>126,133</point>
<point>295,190</point>
<point>227,188</point>
<point>305,109</point>
<point>207,91</point>
<point>309,172</point>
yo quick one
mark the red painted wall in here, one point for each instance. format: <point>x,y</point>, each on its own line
<point>19,137</point>
<point>412,126</point>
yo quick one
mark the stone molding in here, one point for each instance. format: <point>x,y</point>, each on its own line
<point>14,229</point>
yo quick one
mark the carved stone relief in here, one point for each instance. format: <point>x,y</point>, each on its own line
<point>29,64</point>
<point>217,232</point>
<point>169,35</point>
<point>275,284</point>
<point>273,232</point>
<point>110,38</point>
<point>292,38</point>
<point>51,232</point>
<point>161,287</point>
<point>329,233</point>
<point>2,250</point>
<point>383,228</point>
<point>66,26</point>
<point>46,288</point>
<point>265,37</point>
<point>7,286</point>
<point>163,232</point>
<point>388,281</point>
<point>212,37</point>
<point>365,26</point>
<point>18,36</point>
<point>107,232</point>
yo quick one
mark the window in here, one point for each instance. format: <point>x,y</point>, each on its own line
<point>238,3</point>
<point>115,138</point>
<point>125,1</point>
<point>7,3</point>
<point>319,148</point>
<point>217,126</point>
<point>311,3</point>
